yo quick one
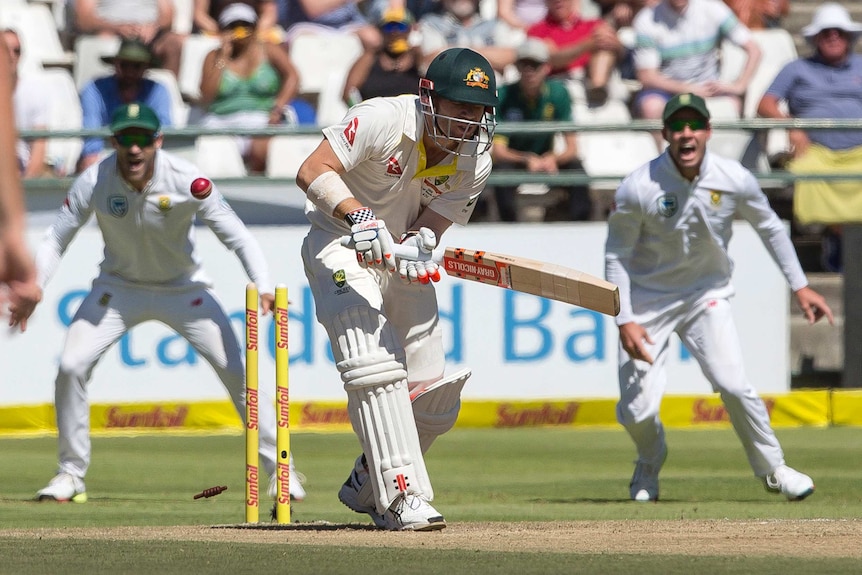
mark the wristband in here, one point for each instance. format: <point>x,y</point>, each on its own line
<point>327,191</point>
<point>359,216</point>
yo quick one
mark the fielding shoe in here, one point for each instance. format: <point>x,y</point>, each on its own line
<point>355,492</point>
<point>411,512</point>
<point>789,482</point>
<point>644,484</point>
<point>64,487</point>
<point>297,491</point>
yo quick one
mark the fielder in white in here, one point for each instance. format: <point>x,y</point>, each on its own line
<point>667,252</point>
<point>142,200</point>
<point>395,169</point>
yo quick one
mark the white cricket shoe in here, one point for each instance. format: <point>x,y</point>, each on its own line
<point>644,484</point>
<point>297,491</point>
<point>411,512</point>
<point>789,482</point>
<point>349,494</point>
<point>64,487</point>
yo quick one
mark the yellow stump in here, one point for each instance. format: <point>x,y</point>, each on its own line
<point>282,406</point>
<point>252,420</point>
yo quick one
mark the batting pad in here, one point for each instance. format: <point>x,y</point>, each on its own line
<point>383,419</point>
<point>436,407</point>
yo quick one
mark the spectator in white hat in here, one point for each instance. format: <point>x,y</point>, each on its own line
<point>246,83</point>
<point>823,85</point>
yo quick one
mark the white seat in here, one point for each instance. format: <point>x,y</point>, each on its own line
<point>614,154</point>
<point>179,108</point>
<point>777,48</point>
<point>184,12</point>
<point>219,157</point>
<point>38,33</point>
<point>195,49</point>
<point>65,115</point>
<point>318,55</point>
<point>741,145</point>
<point>88,57</point>
<point>286,153</point>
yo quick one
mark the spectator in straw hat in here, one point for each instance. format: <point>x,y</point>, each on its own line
<point>823,85</point>
<point>100,97</point>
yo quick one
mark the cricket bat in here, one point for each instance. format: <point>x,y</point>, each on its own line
<point>521,274</point>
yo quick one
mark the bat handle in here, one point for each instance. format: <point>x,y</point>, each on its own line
<point>398,250</point>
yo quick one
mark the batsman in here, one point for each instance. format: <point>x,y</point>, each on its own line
<point>397,169</point>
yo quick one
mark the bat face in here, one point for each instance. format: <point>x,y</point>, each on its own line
<point>543,279</point>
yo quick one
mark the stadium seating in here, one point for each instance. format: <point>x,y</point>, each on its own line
<point>88,57</point>
<point>219,157</point>
<point>286,154</point>
<point>195,49</point>
<point>39,36</point>
<point>179,108</point>
<point>66,115</point>
<point>323,61</point>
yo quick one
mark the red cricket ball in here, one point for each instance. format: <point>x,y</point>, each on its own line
<point>201,188</point>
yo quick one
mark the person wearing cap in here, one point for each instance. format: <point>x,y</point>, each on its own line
<point>396,169</point>
<point>247,83</point>
<point>535,98</point>
<point>390,71</point>
<point>667,250</point>
<point>206,12</point>
<point>678,49</point>
<point>145,206</point>
<point>823,85</point>
<point>102,96</point>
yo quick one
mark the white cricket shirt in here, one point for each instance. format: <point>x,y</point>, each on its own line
<point>149,235</point>
<point>379,142</point>
<point>668,237</point>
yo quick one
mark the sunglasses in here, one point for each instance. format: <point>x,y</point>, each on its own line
<point>139,140</point>
<point>130,65</point>
<point>694,123</point>
<point>395,28</point>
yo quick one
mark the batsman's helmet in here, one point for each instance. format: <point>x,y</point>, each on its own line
<point>460,75</point>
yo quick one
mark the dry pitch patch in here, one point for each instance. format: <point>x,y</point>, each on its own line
<point>790,538</point>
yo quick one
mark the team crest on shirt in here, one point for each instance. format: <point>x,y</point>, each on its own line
<point>118,206</point>
<point>477,78</point>
<point>714,198</point>
<point>164,203</point>
<point>667,205</point>
<point>339,277</point>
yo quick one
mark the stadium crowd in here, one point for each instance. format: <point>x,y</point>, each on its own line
<point>618,60</point>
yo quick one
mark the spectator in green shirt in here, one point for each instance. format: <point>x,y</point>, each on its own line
<point>536,98</point>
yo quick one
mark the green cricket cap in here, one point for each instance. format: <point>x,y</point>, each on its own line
<point>134,115</point>
<point>462,75</point>
<point>683,101</point>
<point>131,50</point>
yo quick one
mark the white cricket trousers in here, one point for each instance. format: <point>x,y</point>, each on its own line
<point>112,309</point>
<point>708,331</point>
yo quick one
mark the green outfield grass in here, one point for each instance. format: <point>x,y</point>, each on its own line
<point>479,476</point>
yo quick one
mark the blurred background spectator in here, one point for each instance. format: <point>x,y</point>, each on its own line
<point>823,85</point>
<point>206,16</point>
<point>100,97</point>
<point>247,83</point>
<point>521,14</point>
<point>375,8</point>
<point>327,16</point>
<point>678,50</point>
<point>32,112</point>
<point>461,25</point>
<point>760,14</point>
<point>535,98</point>
<point>150,21</point>
<point>581,49</point>
<point>392,70</point>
